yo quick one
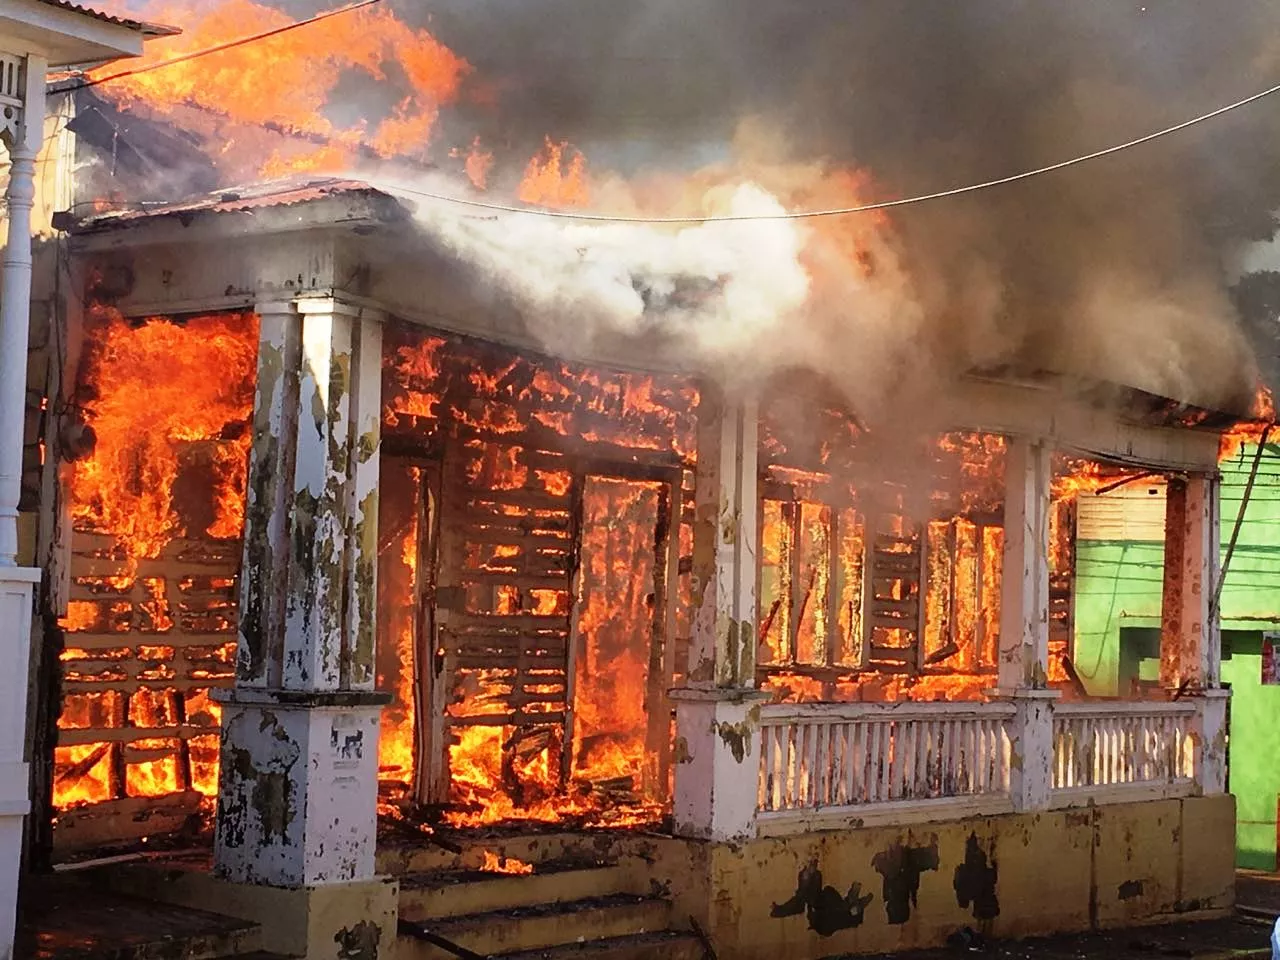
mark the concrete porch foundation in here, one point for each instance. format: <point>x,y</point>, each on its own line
<point>335,921</point>
<point>884,889</point>
<point>867,890</point>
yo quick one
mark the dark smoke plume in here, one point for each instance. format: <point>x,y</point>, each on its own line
<point>1117,269</point>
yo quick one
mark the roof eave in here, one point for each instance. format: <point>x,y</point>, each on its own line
<point>353,212</point>
<point>65,36</point>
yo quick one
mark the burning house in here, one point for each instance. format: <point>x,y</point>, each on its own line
<point>451,589</point>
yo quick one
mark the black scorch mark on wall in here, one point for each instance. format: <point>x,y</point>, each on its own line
<point>901,868</point>
<point>975,881</point>
<point>827,911</point>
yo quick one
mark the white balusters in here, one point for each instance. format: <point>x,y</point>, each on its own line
<point>849,759</point>
<point>1101,749</point>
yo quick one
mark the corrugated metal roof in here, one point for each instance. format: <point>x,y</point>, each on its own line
<point>258,196</point>
<point>153,29</point>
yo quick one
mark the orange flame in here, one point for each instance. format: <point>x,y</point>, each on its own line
<point>550,182</point>
<point>158,414</point>
<point>477,162</point>
<point>283,82</point>
<point>496,863</point>
<point>154,399</point>
<point>1262,418</point>
<point>396,742</point>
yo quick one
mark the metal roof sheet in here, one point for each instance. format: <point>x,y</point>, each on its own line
<point>269,194</point>
<point>151,29</point>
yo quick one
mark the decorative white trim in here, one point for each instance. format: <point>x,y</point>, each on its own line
<point>1074,797</point>
<point>787,822</point>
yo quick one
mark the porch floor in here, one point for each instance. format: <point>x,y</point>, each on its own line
<point>63,917</point>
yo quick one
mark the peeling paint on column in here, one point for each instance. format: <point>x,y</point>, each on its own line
<point>362,618</point>
<point>363,480</point>
<point>1171,606</point>
<point>1024,597</point>
<point>262,568</point>
<point>298,795</point>
<point>313,626</point>
<point>257,795</point>
<point>1190,640</point>
<point>724,553</point>
<point>680,751</point>
<point>738,737</point>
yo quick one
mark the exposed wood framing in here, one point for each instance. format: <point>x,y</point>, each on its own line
<point>427,735</point>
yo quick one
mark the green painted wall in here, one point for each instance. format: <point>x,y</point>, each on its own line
<point>1117,615</point>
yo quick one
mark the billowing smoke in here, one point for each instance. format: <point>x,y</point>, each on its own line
<point>1113,269</point>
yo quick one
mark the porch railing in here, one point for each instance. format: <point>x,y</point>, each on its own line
<point>1111,750</point>
<point>832,764</point>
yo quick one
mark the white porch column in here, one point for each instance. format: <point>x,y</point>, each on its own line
<point>298,788</point>
<point>1190,637</point>
<point>1024,621</point>
<point>717,712</point>
<point>16,585</point>
<point>1190,633</point>
<point>22,136</point>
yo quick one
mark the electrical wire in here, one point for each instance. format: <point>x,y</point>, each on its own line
<point>228,45</point>
<point>1216,605</point>
<point>724,218</point>
<point>838,211</point>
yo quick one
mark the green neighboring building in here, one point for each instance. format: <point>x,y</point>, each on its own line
<point>1119,562</point>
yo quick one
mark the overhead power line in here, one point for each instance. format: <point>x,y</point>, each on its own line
<point>228,45</point>
<point>843,211</point>
<point>723,218</point>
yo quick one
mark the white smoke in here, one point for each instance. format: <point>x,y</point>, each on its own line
<point>713,292</point>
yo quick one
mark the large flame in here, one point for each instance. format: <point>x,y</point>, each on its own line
<point>165,399</point>
<point>282,104</point>
<point>160,386</point>
<point>285,82</point>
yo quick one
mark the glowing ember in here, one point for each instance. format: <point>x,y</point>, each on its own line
<point>84,775</point>
<point>496,863</point>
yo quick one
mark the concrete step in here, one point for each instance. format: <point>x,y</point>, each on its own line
<point>644,946</point>
<point>410,856</point>
<point>450,893</point>
<point>535,928</point>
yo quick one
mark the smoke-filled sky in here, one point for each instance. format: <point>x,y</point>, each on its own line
<point>1114,268</point>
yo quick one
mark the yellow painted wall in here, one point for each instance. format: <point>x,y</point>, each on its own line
<point>1053,872</point>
